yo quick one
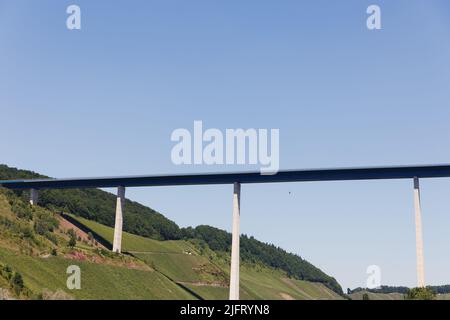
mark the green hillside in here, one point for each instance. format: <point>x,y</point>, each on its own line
<point>40,255</point>
<point>99,281</point>
<point>377,296</point>
<point>160,260</point>
<point>206,273</point>
<point>384,292</point>
<point>132,242</point>
<point>390,296</point>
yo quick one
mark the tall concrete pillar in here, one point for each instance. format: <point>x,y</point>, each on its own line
<point>117,243</point>
<point>34,195</point>
<point>234,274</point>
<point>419,239</point>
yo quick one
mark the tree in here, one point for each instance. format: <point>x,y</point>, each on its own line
<point>365,296</point>
<point>420,294</point>
<point>72,238</point>
<point>17,283</point>
<point>45,221</point>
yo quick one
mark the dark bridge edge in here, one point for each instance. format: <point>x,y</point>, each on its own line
<point>336,174</point>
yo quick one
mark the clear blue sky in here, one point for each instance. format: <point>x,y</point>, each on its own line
<point>104,101</point>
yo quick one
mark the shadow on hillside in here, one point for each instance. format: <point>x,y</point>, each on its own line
<point>84,228</point>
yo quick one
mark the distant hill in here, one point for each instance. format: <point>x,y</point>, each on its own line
<point>97,205</point>
<point>395,292</point>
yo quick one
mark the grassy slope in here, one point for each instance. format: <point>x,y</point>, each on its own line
<point>98,280</point>
<point>377,296</point>
<point>209,277</point>
<point>134,243</point>
<point>390,296</point>
<point>269,284</point>
<point>106,280</point>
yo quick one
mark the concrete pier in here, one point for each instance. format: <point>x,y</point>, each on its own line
<point>34,195</point>
<point>234,274</point>
<point>117,243</point>
<point>419,238</point>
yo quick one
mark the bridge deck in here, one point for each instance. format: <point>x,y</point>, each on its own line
<point>336,174</point>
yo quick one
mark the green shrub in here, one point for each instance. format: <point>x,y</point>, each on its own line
<point>45,222</point>
<point>6,272</point>
<point>17,283</point>
<point>52,237</point>
<point>73,238</point>
<point>22,210</point>
<point>26,232</point>
<point>420,294</point>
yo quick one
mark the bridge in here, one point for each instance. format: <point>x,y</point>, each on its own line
<point>236,179</point>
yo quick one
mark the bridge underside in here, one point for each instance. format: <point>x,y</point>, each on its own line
<point>339,174</point>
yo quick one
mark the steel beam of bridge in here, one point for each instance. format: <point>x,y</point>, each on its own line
<point>343,174</point>
<point>369,173</point>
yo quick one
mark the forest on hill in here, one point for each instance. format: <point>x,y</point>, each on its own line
<point>98,205</point>
<point>442,289</point>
